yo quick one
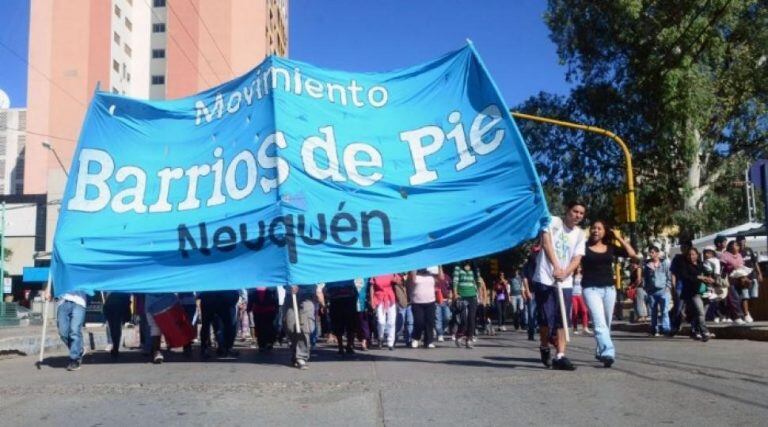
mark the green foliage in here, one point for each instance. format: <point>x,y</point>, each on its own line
<point>684,83</point>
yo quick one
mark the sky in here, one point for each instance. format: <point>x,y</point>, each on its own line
<point>377,35</point>
<point>14,33</point>
<point>368,35</point>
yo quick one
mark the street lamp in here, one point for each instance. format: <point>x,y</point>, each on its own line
<point>48,146</point>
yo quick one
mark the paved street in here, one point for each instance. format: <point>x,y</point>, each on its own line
<point>655,381</point>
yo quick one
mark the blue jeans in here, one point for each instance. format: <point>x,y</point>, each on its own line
<point>442,317</point>
<point>659,303</point>
<point>70,318</point>
<point>404,323</point>
<point>518,310</point>
<point>600,302</point>
<point>531,318</point>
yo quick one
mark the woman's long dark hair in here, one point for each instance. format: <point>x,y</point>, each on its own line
<point>609,239</point>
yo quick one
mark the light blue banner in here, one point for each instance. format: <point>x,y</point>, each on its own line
<point>295,174</point>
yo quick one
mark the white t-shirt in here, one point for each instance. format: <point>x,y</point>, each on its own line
<point>76,297</point>
<point>567,243</point>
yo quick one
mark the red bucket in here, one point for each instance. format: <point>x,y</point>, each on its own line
<point>175,326</point>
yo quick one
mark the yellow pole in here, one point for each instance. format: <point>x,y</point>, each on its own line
<point>631,210</point>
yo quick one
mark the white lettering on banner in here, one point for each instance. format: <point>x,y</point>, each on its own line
<point>275,77</point>
<point>97,180</point>
<point>419,152</point>
<point>352,162</point>
<point>328,146</point>
<point>136,193</point>
<point>270,162</point>
<point>237,178</point>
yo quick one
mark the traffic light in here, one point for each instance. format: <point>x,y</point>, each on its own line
<point>621,208</point>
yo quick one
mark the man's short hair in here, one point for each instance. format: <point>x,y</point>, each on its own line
<point>653,248</point>
<point>720,239</point>
<point>741,238</point>
<point>573,203</point>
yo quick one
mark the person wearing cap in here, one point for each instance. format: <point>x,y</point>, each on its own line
<point>421,285</point>
<point>657,280</point>
<point>756,277</point>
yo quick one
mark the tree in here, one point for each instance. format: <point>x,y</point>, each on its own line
<point>684,82</point>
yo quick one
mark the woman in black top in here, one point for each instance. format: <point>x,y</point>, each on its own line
<point>692,276</point>
<point>598,284</point>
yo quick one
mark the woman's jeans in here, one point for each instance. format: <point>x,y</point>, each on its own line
<point>696,309</point>
<point>501,305</point>
<point>600,302</point>
<point>70,318</point>
<point>660,309</point>
<point>442,317</point>
<point>404,323</point>
<point>518,310</point>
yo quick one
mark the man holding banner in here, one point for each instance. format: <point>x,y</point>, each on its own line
<point>563,246</point>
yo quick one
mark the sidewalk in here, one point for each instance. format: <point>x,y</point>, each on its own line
<point>757,331</point>
<point>25,340</point>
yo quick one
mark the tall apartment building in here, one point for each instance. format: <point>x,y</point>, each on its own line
<point>13,140</point>
<point>149,49</point>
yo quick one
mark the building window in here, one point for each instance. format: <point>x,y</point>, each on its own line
<point>158,80</point>
<point>118,12</point>
<point>128,50</point>
<point>158,28</point>
<point>128,77</point>
<point>114,90</point>
<point>158,53</point>
<point>116,37</point>
<point>128,24</point>
<point>159,3</point>
<point>116,66</point>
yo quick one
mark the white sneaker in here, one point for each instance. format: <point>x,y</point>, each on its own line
<point>452,338</point>
<point>588,331</point>
<point>503,328</point>
<point>727,320</point>
<point>717,320</point>
<point>440,338</point>
<point>431,345</point>
<point>415,344</point>
<point>474,339</point>
<point>748,318</point>
<point>740,321</point>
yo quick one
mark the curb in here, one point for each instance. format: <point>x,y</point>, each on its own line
<point>726,332</point>
<point>29,345</point>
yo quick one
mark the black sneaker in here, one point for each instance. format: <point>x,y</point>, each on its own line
<point>563,364</point>
<point>546,356</point>
<point>74,365</point>
<point>607,361</point>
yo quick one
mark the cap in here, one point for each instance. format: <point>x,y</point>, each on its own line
<point>433,270</point>
<point>709,248</point>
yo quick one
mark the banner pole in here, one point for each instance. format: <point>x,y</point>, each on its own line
<point>561,302</point>
<point>46,296</point>
<point>296,312</point>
